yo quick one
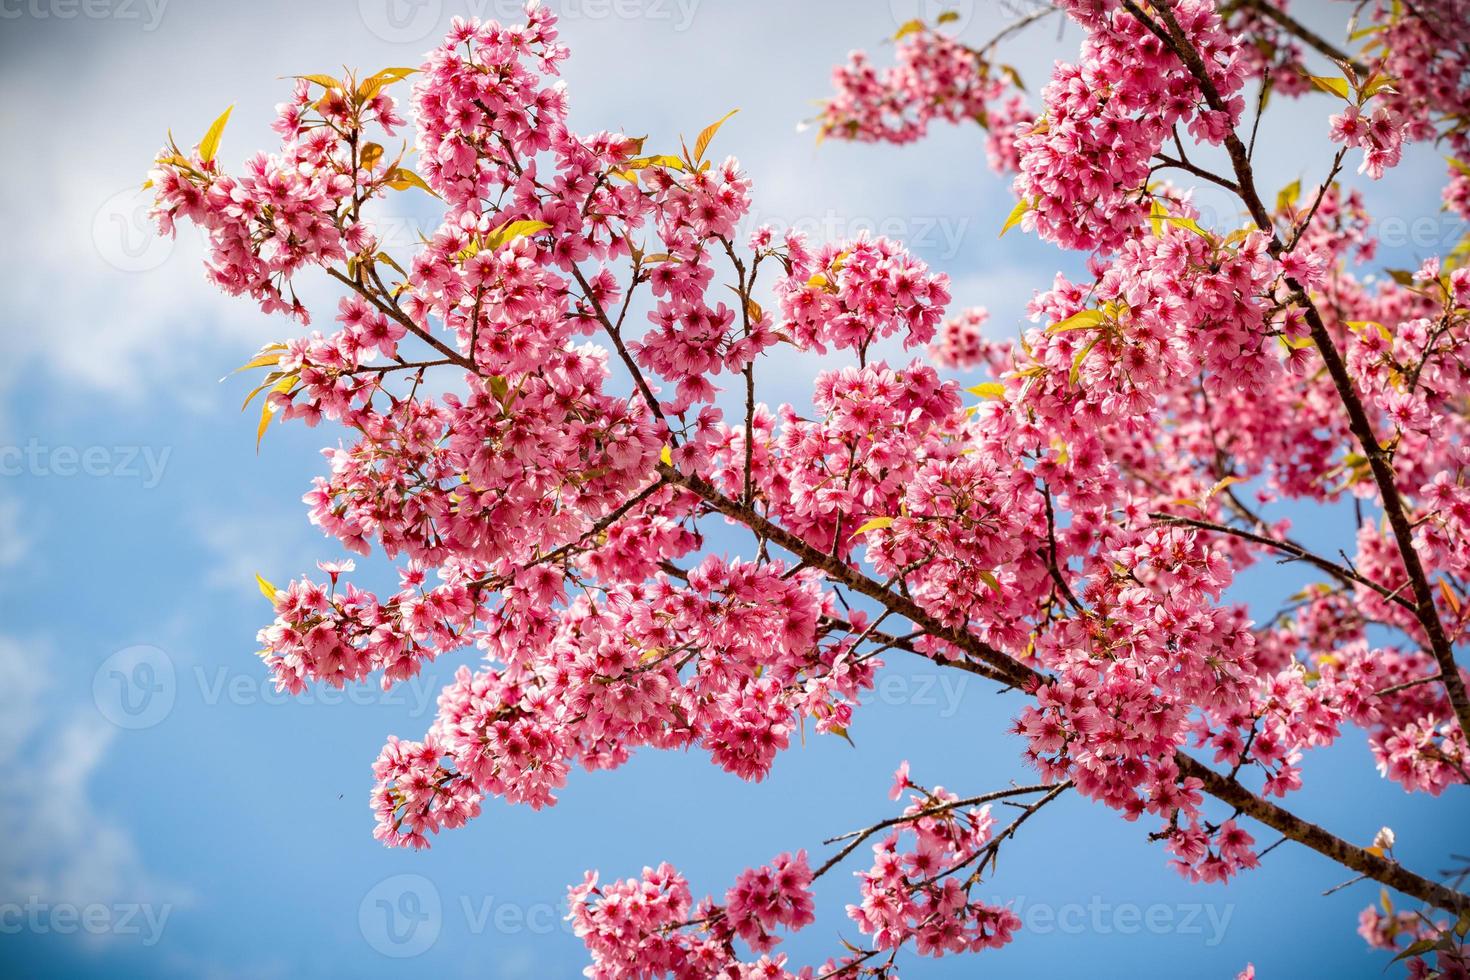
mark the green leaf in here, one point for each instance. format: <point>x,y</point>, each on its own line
<point>841,733</point>
<point>266,589</point>
<point>512,230</point>
<point>401,179</point>
<point>1076,371</point>
<point>387,260</point>
<point>268,356</point>
<point>283,387</point>
<point>1182,222</point>
<point>988,389</point>
<point>369,87</point>
<point>909,27</point>
<point>874,525</point>
<point>1288,195</point>
<point>1417,948</point>
<point>701,143</point>
<point>1459,165</point>
<point>1378,84</point>
<point>209,146</point>
<point>1017,213</point>
<point>325,81</point>
<point>1332,86</point>
<point>1084,320</point>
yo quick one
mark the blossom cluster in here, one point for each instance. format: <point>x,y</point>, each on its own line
<point>537,439</point>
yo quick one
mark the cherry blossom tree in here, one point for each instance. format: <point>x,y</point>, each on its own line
<point>1066,529</point>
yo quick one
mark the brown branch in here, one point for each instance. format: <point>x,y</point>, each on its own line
<point>1358,421</point>
<point>856,837</point>
<point>1024,677</point>
<point>839,571</point>
<point>391,310</point>
<point>1340,572</point>
<point>1305,34</point>
<point>1388,872</point>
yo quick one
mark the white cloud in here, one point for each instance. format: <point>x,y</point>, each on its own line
<point>14,543</point>
<point>60,849</point>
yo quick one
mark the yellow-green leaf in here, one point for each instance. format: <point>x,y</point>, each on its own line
<point>666,456</point>
<point>1288,195</point>
<point>1188,223</point>
<point>209,146</point>
<point>990,581</point>
<point>1017,213</point>
<point>401,179</point>
<point>325,81</point>
<point>988,389</point>
<point>1378,84</point>
<point>371,154</point>
<point>1332,86</point>
<point>875,524</point>
<point>269,356</point>
<point>372,85</point>
<point>266,589</point>
<point>511,230</point>
<point>1076,371</point>
<point>1229,481</point>
<point>908,27</point>
<point>283,387</point>
<point>1083,320</point>
<point>708,133</point>
<point>948,16</point>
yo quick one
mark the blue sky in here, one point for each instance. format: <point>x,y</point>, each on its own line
<point>169,815</point>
